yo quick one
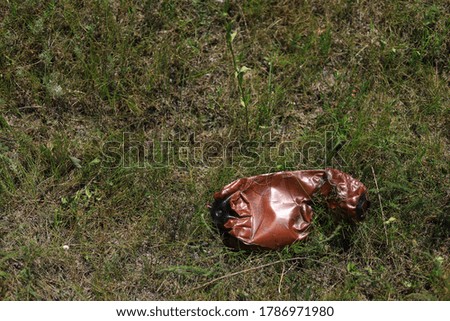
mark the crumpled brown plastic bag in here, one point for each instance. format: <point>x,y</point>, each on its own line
<point>274,210</point>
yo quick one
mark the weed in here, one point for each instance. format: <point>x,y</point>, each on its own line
<point>239,72</point>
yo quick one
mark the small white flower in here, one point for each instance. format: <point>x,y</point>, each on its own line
<point>56,90</point>
<point>66,247</point>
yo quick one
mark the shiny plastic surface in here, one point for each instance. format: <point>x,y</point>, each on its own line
<point>274,210</point>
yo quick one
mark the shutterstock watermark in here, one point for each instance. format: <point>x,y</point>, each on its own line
<point>268,151</point>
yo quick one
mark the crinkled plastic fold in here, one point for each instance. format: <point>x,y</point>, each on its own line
<point>274,210</point>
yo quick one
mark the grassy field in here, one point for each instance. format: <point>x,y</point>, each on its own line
<point>120,119</point>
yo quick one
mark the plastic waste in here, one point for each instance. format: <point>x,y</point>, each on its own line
<point>273,210</point>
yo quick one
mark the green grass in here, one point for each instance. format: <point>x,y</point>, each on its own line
<point>368,80</point>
